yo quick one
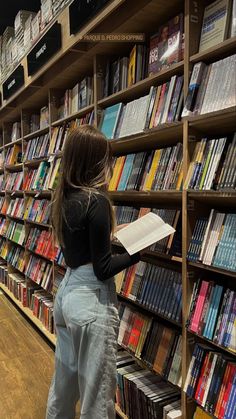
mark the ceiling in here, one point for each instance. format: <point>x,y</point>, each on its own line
<point>9,9</point>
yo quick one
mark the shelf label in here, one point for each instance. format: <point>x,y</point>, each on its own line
<point>82,11</point>
<point>14,82</point>
<point>47,46</point>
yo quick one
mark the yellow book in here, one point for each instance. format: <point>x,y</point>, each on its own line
<point>117,173</point>
<point>155,106</point>
<point>28,205</point>
<point>16,149</point>
<point>111,184</point>
<point>149,180</point>
<point>179,181</point>
<point>119,281</point>
<point>132,66</point>
<point>53,140</point>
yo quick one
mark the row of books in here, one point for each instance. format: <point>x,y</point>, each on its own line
<point>13,155</point>
<point>156,170</point>
<point>16,232</point>
<point>142,394</point>
<point>59,258</point>
<point>213,241</point>
<point>212,87</point>
<point>211,381</point>
<point>39,271</point>
<point>59,133</point>
<point>156,288</point>
<point>40,242</point>
<point>165,48</point>
<point>13,181</point>
<point>3,205</point>
<point>16,257</point>
<point>171,245</point>
<point>158,346</point>
<point>80,96</point>
<point>212,313</point>
<point>3,226</point>
<point>31,296</point>
<point>3,248</point>
<point>213,165</point>
<point>37,147</point>
<point>16,208</point>
<point>44,177</point>
<point>37,210</point>
<point>163,104</point>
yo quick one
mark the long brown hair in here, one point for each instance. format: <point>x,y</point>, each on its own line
<point>86,165</point>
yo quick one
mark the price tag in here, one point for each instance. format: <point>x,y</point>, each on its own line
<point>13,193</point>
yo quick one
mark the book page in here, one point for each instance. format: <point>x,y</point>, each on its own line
<point>143,233</point>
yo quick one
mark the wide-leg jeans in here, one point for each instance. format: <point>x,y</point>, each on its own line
<point>87,322</point>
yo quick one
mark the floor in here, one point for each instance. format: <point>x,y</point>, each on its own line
<point>26,366</point>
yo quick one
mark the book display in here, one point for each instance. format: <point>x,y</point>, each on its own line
<point>167,105</point>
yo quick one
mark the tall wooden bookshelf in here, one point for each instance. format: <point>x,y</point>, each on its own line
<point>76,59</point>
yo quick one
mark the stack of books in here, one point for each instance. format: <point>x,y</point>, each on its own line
<point>13,155</point>
<point>59,258</point>
<point>40,242</point>
<point>156,170</point>
<point>3,272</point>
<point>28,31</point>
<point>14,181</point>
<point>16,283</point>
<point>16,258</point>
<point>39,271</point>
<point>37,210</point>
<point>44,177</point>
<point>213,165</point>
<point>211,381</point>
<point>3,205</point>
<point>16,208</point>
<point>6,60</point>
<point>162,105</point>
<point>41,304</point>
<point>213,240</point>
<point>16,232</point>
<point>80,96</point>
<point>141,391</point>
<point>19,28</point>
<point>156,288</point>
<point>212,87</point>
<point>212,313</point>
<point>37,147</point>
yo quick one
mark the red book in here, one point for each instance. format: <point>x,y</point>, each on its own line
<point>199,306</point>
<point>36,306</point>
<point>201,375</point>
<point>222,390</point>
<point>130,274</point>
<point>135,333</point>
<point>227,390</point>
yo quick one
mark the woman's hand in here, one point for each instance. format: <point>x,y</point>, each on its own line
<point>119,227</point>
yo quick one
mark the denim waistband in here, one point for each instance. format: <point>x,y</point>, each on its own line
<point>84,275</point>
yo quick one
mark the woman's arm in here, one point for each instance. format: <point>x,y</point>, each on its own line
<point>105,264</point>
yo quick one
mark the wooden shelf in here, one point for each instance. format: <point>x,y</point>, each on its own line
<point>15,243</point>
<point>75,115</point>
<point>147,310</point>
<point>214,198</point>
<point>35,162</point>
<point>222,348</point>
<point>29,314</point>
<point>41,193</point>
<point>14,218</point>
<point>14,167</point>
<point>12,192</point>
<point>18,141</point>
<point>36,133</point>
<point>215,53</point>
<point>199,265</point>
<point>120,413</point>
<point>214,123</point>
<point>164,134</point>
<point>149,198</point>
<point>37,223</point>
<point>142,87</point>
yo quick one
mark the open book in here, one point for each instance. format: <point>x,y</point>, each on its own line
<point>143,232</point>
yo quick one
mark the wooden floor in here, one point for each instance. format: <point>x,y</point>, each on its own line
<point>26,366</point>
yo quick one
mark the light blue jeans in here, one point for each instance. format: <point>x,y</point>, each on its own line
<point>87,323</point>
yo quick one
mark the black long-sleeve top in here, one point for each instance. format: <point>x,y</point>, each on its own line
<point>86,232</point>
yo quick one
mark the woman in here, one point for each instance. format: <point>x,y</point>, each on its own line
<point>85,309</point>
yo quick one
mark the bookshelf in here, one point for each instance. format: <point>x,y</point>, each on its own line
<point>77,59</point>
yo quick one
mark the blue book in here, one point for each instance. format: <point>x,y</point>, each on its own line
<point>210,312</point>
<point>126,172</point>
<point>110,120</point>
<point>227,335</point>
<point>215,312</point>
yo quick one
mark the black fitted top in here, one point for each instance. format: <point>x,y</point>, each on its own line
<point>87,236</point>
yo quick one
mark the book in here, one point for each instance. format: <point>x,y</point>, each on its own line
<point>215,24</point>
<point>143,232</point>
<point>110,119</point>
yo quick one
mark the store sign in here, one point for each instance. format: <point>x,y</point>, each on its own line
<point>82,11</point>
<point>47,46</point>
<point>13,83</point>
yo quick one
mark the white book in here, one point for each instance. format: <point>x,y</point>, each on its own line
<point>143,233</point>
<point>233,20</point>
<point>207,102</point>
<point>207,234</point>
<point>213,240</point>
<point>215,145</point>
<point>216,160</point>
<point>209,378</point>
<point>174,414</point>
<point>214,25</point>
<point>230,96</point>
